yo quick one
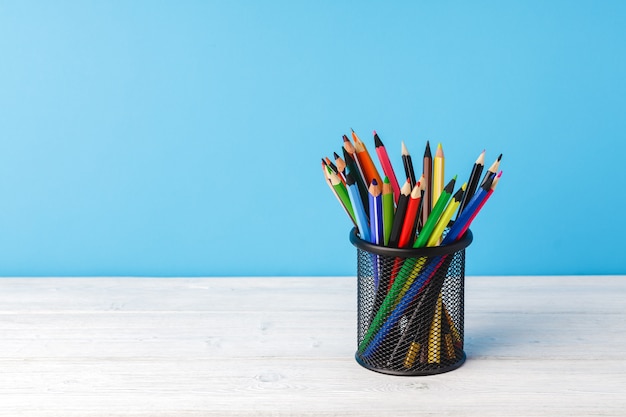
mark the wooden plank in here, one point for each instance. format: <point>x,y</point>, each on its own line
<point>297,334</point>
<point>536,346</point>
<point>177,294</point>
<point>296,387</point>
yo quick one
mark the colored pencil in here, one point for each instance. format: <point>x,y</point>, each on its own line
<point>491,172</point>
<point>434,335</point>
<point>476,204</point>
<point>408,165</point>
<point>388,210</point>
<point>407,236</point>
<point>362,222</point>
<point>352,167</point>
<point>398,219</point>
<point>376,213</point>
<point>350,149</point>
<point>438,209</point>
<point>427,172</point>
<point>342,192</point>
<point>334,168</point>
<point>340,164</point>
<point>472,182</point>
<point>384,268</point>
<point>409,226</point>
<point>376,225</point>
<point>438,174</point>
<point>422,183</point>
<point>326,171</point>
<point>383,157</point>
<point>366,163</point>
<point>446,216</point>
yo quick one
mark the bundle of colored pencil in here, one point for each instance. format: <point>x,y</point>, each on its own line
<point>415,214</point>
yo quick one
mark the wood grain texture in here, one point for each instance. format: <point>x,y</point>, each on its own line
<point>536,346</point>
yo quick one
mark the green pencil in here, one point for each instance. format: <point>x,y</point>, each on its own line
<point>434,215</point>
<point>342,193</point>
<point>388,210</point>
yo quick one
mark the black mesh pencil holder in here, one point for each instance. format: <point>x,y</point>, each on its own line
<point>410,307</point>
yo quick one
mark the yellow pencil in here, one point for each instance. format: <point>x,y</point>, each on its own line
<point>434,336</point>
<point>442,223</point>
<point>438,174</point>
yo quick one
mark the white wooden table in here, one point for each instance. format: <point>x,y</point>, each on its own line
<point>536,346</point>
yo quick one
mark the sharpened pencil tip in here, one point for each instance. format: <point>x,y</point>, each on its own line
<point>405,151</point>
<point>377,142</point>
<point>427,153</point>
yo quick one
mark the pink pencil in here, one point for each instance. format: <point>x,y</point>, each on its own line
<point>383,157</point>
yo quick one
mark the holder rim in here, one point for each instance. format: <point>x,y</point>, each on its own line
<point>460,244</point>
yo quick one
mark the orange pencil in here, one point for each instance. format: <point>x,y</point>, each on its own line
<point>351,150</point>
<point>365,161</point>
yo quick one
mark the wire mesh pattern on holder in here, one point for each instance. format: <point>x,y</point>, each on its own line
<point>415,327</point>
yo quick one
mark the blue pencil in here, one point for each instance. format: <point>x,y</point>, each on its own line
<point>376,213</point>
<point>468,213</point>
<point>357,205</point>
<point>376,223</point>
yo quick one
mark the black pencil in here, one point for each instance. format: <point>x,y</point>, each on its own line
<point>352,168</point>
<point>427,172</point>
<point>340,164</point>
<point>491,172</point>
<point>408,165</point>
<point>398,219</point>
<point>472,182</point>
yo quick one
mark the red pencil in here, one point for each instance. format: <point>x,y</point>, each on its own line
<point>407,236</point>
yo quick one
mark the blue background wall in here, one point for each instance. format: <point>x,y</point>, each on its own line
<point>184,138</point>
